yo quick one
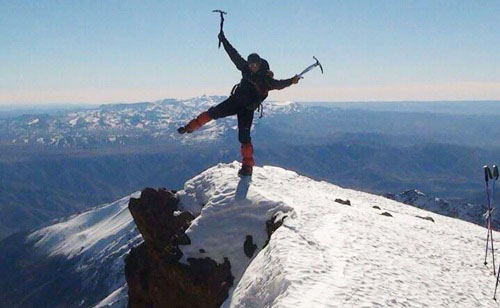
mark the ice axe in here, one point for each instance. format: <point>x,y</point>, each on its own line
<point>221,20</point>
<point>310,67</point>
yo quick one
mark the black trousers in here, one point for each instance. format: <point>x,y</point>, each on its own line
<point>235,105</point>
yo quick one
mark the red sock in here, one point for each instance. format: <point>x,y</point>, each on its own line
<point>198,122</point>
<point>247,154</point>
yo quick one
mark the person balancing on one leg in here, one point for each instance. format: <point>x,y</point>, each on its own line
<point>257,80</point>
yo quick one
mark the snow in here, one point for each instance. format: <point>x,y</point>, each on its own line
<point>90,231</point>
<point>115,299</point>
<point>73,121</point>
<point>464,211</point>
<point>332,255</point>
<point>326,254</point>
<point>97,242</point>
<point>228,217</point>
<point>33,121</point>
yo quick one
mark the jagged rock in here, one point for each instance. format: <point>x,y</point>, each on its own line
<point>249,247</point>
<point>272,225</point>
<point>386,214</point>
<point>346,202</point>
<point>153,214</point>
<point>426,218</point>
<point>155,277</point>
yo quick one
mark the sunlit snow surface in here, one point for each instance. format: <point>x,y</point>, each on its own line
<point>325,255</point>
<point>99,239</point>
<point>105,227</point>
<point>332,255</point>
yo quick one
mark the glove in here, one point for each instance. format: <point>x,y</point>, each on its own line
<point>295,79</point>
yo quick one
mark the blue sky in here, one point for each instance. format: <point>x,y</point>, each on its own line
<point>127,51</point>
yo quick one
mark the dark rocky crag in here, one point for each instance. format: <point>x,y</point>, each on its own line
<point>155,277</point>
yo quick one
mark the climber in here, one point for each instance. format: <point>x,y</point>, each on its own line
<point>257,80</point>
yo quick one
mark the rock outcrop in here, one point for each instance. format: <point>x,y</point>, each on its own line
<point>154,274</point>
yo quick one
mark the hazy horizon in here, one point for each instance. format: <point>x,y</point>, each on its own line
<point>67,105</point>
<point>463,107</point>
<point>105,52</point>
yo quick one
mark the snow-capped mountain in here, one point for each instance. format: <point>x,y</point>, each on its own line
<point>466,211</point>
<point>82,260</point>
<point>123,124</point>
<point>373,252</point>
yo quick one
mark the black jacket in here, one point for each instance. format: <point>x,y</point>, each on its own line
<point>253,87</point>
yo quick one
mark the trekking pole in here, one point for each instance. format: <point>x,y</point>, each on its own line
<point>491,238</point>
<point>310,67</point>
<point>221,20</point>
<point>496,286</point>
<point>495,178</point>
<point>492,196</point>
<point>487,177</point>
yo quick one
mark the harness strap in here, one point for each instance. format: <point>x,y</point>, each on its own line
<point>260,107</point>
<point>234,88</point>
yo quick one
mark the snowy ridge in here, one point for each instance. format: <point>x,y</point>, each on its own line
<point>326,254</point>
<point>88,233</point>
<point>229,213</point>
<point>99,239</point>
<point>332,255</point>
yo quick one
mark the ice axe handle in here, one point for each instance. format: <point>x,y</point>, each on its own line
<point>221,21</point>
<point>310,67</point>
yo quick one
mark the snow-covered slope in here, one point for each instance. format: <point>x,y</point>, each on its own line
<point>94,244</point>
<point>332,255</point>
<point>326,254</point>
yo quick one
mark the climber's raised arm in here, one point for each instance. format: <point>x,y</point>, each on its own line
<point>238,60</point>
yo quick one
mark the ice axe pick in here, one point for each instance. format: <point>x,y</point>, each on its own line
<point>310,67</point>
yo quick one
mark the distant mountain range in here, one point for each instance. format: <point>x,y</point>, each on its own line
<point>60,162</point>
<point>119,124</point>
<point>463,210</point>
<point>156,123</point>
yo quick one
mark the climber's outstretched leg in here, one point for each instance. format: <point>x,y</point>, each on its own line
<point>200,120</point>
<point>224,109</point>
